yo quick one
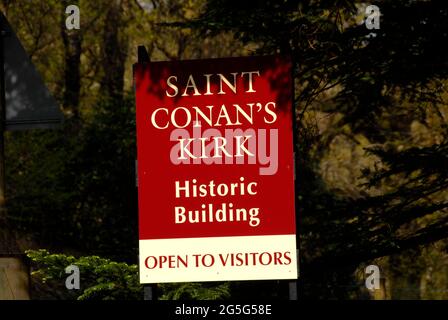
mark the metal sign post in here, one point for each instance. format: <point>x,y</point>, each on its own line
<point>149,290</point>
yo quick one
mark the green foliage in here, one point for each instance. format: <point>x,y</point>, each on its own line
<point>104,279</point>
<point>76,185</point>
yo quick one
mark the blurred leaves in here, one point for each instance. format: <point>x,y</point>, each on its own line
<point>104,279</point>
<point>100,279</point>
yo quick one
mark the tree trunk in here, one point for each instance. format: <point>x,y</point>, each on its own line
<point>72,40</point>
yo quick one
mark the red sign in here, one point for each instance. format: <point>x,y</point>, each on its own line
<point>215,170</point>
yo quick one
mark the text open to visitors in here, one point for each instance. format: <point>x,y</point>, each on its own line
<point>215,170</point>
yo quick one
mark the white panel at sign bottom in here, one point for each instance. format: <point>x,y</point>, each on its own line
<point>218,259</point>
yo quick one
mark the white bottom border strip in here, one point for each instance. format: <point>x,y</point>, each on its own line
<point>218,259</point>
